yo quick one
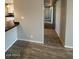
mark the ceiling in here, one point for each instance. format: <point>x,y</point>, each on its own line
<point>49,2</point>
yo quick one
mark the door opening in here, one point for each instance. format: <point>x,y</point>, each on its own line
<point>50,35</point>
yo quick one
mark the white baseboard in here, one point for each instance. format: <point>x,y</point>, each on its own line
<point>23,40</point>
<point>68,47</point>
<point>32,41</point>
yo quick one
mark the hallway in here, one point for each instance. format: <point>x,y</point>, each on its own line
<point>51,38</point>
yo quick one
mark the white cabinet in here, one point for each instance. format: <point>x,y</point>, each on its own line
<point>10,38</point>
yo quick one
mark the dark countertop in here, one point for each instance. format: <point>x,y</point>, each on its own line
<point>8,28</point>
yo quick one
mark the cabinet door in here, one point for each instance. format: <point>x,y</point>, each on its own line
<point>10,38</point>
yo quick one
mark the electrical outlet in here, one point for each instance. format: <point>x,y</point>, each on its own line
<point>31,36</point>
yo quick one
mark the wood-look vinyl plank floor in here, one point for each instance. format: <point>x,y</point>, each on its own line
<point>51,38</point>
<point>51,49</point>
<point>30,50</point>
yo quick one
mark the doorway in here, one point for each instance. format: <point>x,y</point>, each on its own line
<point>50,36</point>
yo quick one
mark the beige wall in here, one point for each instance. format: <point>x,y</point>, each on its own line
<point>31,27</point>
<point>64,22</point>
<point>61,19</point>
<point>58,13</point>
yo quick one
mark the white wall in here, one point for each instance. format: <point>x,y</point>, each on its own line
<point>48,13</point>
<point>58,14</point>
<point>32,26</point>
<point>51,15</point>
<point>69,25</point>
<point>63,21</point>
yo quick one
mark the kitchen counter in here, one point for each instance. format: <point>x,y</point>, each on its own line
<point>8,28</point>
